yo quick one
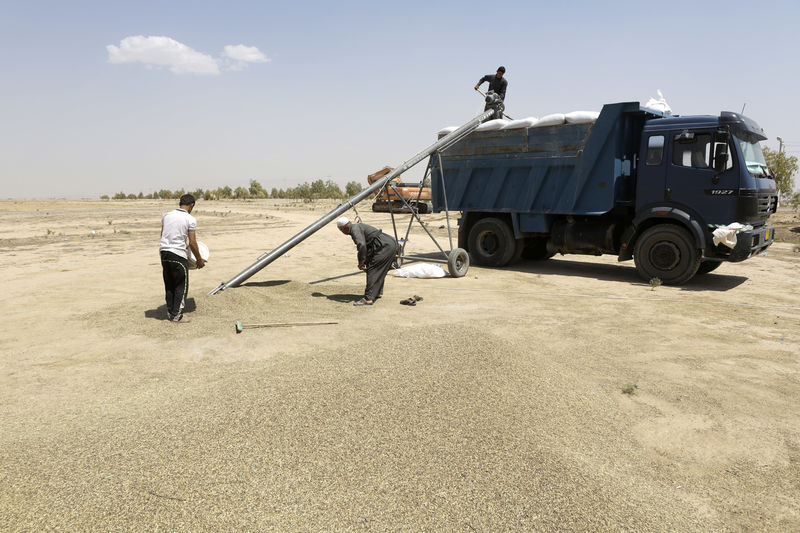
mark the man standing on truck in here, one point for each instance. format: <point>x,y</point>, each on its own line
<point>376,251</point>
<point>497,84</point>
<point>178,229</point>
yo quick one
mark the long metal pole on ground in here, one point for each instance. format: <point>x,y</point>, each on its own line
<point>265,260</point>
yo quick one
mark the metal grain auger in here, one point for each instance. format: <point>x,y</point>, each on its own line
<point>457,259</point>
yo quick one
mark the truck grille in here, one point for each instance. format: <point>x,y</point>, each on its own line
<point>767,204</point>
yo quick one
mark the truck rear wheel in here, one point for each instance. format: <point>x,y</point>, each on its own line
<point>491,242</point>
<point>667,252</point>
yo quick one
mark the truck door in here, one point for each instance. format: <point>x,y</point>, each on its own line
<point>691,181</point>
<point>651,175</point>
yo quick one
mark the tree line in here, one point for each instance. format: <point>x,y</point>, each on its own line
<point>314,190</point>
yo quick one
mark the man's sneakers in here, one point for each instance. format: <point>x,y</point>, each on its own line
<point>181,319</point>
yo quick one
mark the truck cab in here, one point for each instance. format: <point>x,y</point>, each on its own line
<point>704,172</point>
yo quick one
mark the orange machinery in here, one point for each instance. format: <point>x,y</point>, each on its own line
<point>390,198</point>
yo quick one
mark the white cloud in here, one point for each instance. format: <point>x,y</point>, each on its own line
<point>157,52</point>
<point>248,54</point>
<point>238,56</point>
<point>162,52</point>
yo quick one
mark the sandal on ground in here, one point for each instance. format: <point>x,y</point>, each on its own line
<point>408,301</point>
<point>417,298</point>
<point>361,302</point>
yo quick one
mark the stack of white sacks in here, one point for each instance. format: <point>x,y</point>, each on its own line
<point>555,119</point>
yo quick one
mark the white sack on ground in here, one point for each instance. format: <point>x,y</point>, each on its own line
<point>555,119</point>
<point>581,117</point>
<point>659,104</point>
<point>448,129</point>
<point>419,270</point>
<point>492,125</point>
<point>727,234</point>
<point>520,123</point>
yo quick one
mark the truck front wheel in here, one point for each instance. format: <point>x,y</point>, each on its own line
<point>667,252</point>
<point>491,242</point>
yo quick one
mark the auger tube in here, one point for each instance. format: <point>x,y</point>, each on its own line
<point>439,145</point>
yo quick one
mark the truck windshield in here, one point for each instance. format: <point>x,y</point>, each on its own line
<point>753,156</point>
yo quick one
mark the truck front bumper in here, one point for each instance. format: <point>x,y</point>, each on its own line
<point>750,243</point>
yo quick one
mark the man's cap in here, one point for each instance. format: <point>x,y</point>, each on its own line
<point>342,222</point>
<point>501,69</point>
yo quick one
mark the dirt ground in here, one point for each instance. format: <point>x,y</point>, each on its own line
<point>497,403</point>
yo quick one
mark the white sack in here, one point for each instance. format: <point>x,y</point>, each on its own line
<point>448,129</point>
<point>521,123</point>
<point>556,119</point>
<point>659,104</point>
<point>203,249</point>
<point>419,270</point>
<point>492,125</point>
<point>581,117</point>
<point>727,234</point>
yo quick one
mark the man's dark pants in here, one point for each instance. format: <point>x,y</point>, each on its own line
<point>377,269</point>
<point>176,282</point>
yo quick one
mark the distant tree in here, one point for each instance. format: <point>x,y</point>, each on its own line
<point>784,167</point>
<point>273,193</point>
<point>197,194</point>
<point>104,197</point>
<point>352,188</point>
<point>131,196</point>
<point>317,189</point>
<point>256,190</point>
<point>794,202</point>
<point>120,196</point>
<point>240,193</point>
<point>225,192</point>
<point>141,195</point>
<point>208,194</point>
<point>332,190</point>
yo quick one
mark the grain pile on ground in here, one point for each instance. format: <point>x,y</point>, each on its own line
<point>497,403</point>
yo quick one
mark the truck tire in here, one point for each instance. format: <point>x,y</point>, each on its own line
<point>422,208</point>
<point>536,249</point>
<point>458,262</point>
<point>491,242</point>
<point>708,266</point>
<point>667,252</point>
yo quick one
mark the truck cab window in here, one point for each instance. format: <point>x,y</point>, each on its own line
<point>692,150</point>
<point>655,150</point>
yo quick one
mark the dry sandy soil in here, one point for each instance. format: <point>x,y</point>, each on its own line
<point>496,403</point>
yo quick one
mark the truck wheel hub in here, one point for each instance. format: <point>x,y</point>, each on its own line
<point>489,243</point>
<point>665,255</point>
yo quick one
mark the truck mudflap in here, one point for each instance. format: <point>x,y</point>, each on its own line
<point>750,243</point>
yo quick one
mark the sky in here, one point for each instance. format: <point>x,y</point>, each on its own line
<point>98,97</point>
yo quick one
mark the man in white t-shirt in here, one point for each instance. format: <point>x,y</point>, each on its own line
<point>178,229</point>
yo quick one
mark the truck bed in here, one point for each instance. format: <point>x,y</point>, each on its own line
<point>565,169</point>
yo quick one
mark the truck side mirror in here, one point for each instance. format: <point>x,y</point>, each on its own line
<point>720,157</point>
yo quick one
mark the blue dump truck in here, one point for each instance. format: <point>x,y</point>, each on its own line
<point>633,183</point>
